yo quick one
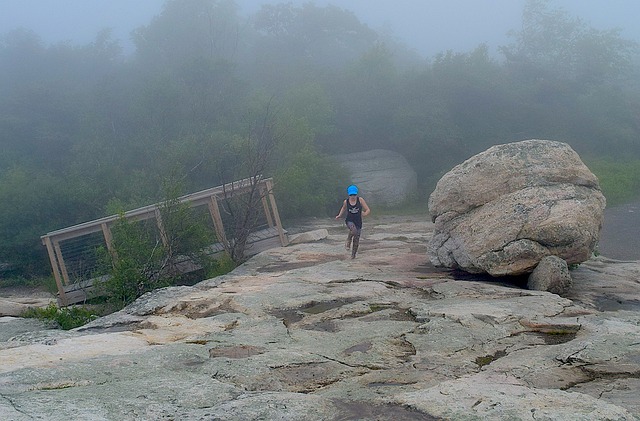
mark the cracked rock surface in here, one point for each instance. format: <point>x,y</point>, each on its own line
<point>305,333</point>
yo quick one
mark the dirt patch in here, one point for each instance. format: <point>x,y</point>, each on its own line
<point>294,315</point>
<point>240,351</point>
<point>368,411</point>
<point>307,377</point>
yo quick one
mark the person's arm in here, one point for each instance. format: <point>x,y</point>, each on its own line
<point>365,207</point>
<point>342,209</point>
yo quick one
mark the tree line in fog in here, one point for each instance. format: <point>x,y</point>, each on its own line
<point>86,131</point>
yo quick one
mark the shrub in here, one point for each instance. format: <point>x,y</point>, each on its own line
<point>143,258</point>
<point>66,318</point>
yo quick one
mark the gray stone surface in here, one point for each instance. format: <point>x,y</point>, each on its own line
<point>16,306</point>
<point>503,210</point>
<point>384,177</point>
<point>305,333</point>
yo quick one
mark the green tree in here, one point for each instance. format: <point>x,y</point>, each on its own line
<point>297,45</point>
<point>365,99</point>
<point>554,45</point>
<point>186,29</point>
<point>31,204</point>
<point>308,180</point>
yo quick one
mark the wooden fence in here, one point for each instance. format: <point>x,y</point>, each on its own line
<point>73,250</point>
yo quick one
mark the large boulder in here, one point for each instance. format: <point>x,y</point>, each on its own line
<point>503,210</point>
<point>384,177</point>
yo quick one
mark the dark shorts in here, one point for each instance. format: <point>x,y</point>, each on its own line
<point>353,228</point>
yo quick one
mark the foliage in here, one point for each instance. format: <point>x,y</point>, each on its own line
<point>32,203</point>
<point>367,112</point>
<point>135,264</point>
<point>40,283</point>
<point>221,266</point>
<point>145,257</point>
<point>214,97</point>
<point>66,318</point>
<point>187,29</point>
<point>619,181</point>
<point>296,45</point>
<point>310,186</point>
<point>554,45</point>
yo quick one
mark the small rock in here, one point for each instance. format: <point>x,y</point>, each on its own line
<point>308,237</point>
<point>551,274</point>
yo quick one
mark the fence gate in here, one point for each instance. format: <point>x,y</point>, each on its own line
<point>73,251</point>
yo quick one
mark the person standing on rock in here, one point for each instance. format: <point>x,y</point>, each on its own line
<point>356,208</point>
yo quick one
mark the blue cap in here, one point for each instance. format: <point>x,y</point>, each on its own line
<point>352,189</point>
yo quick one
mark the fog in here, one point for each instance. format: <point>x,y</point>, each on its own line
<point>427,26</point>
<point>86,131</point>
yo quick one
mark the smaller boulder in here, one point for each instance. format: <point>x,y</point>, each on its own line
<point>552,275</point>
<point>309,236</point>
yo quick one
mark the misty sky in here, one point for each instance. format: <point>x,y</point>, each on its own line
<point>429,26</point>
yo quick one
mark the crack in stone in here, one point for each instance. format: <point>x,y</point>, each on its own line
<point>594,376</point>
<point>571,358</point>
<point>488,359</point>
<point>335,360</point>
<point>14,406</point>
<point>349,281</point>
<point>485,318</point>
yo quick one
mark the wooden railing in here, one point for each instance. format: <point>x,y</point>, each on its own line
<point>210,198</point>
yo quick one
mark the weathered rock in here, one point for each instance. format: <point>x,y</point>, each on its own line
<point>503,210</point>
<point>551,274</point>
<point>305,333</point>
<point>11,328</point>
<point>384,177</point>
<point>17,306</point>
<point>309,236</point>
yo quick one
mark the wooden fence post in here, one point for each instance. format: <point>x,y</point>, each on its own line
<point>63,266</point>
<point>214,210</point>
<point>265,204</point>
<point>56,270</point>
<point>163,233</point>
<point>284,241</point>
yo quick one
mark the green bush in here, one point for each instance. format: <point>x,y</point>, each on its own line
<point>66,318</point>
<point>143,258</point>
<point>220,266</point>
<point>134,265</point>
